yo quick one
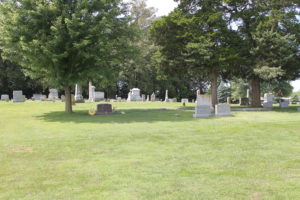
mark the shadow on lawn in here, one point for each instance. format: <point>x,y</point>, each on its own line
<point>130,116</point>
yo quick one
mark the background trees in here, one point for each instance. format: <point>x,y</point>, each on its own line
<point>64,42</point>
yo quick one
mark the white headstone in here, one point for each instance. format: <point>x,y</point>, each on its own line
<point>53,94</point>
<point>184,100</point>
<point>99,96</point>
<point>167,96</point>
<point>4,97</point>
<point>78,94</point>
<point>18,96</point>
<point>204,99</point>
<point>268,97</point>
<point>153,97</point>
<point>223,110</point>
<point>91,92</point>
<point>134,95</point>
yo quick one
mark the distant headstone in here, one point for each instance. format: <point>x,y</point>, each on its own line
<point>91,92</point>
<point>143,97</point>
<point>203,106</point>
<point>53,95</point>
<point>43,98</point>
<point>99,96</point>
<point>223,110</point>
<point>134,95</point>
<point>153,98</point>
<point>167,96</point>
<point>78,94</point>
<point>104,109</point>
<point>244,101</point>
<point>228,100</point>
<point>18,96</point>
<point>284,104</point>
<point>184,100</point>
<point>63,98</point>
<point>193,100</point>
<point>268,101</point>
<point>174,100</point>
<point>298,109</point>
<point>119,99</point>
<point>37,96</point>
<point>4,97</point>
<point>148,98</point>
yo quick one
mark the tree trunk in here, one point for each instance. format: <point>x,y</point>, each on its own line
<point>68,103</point>
<point>214,88</point>
<point>255,92</point>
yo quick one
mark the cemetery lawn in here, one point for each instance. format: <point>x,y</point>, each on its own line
<point>147,153</point>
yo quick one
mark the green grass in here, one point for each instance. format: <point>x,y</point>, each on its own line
<point>147,153</point>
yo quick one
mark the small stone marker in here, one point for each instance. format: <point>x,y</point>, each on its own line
<point>284,104</point>
<point>36,97</point>
<point>43,98</point>
<point>53,95</point>
<point>228,100</point>
<point>4,97</point>
<point>153,97</point>
<point>223,110</point>
<point>18,96</point>
<point>104,109</point>
<point>184,100</point>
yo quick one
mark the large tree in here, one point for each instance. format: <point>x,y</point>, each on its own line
<point>195,40</point>
<point>64,42</point>
<point>269,37</point>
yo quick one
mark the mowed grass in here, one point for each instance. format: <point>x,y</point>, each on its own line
<point>147,153</point>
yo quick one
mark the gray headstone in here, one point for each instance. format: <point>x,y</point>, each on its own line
<point>184,100</point>
<point>18,96</point>
<point>202,111</point>
<point>4,97</point>
<point>284,104</point>
<point>104,109</point>
<point>223,110</point>
<point>53,95</point>
<point>99,96</point>
<point>37,96</point>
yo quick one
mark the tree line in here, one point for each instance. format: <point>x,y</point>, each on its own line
<point>118,46</point>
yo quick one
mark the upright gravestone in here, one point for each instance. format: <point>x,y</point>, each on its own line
<point>244,101</point>
<point>284,104</point>
<point>4,97</point>
<point>78,94</point>
<point>268,101</point>
<point>104,109</point>
<point>18,96</point>
<point>134,95</point>
<point>228,100</point>
<point>37,97</point>
<point>99,96</point>
<point>223,110</point>
<point>148,97</point>
<point>143,97</point>
<point>184,100</point>
<point>167,96</point>
<point>91,92</point>
<point>153,97</point>
<point>53,95</point>
<point>203,106</point>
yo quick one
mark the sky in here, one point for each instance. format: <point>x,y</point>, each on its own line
<point>164,7</point>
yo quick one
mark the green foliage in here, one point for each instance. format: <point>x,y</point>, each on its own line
<point>64,42</point>
<point>295,99</point>
<point>224,91</point>
<point>278,88</point>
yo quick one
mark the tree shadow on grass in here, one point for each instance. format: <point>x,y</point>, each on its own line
<point>130,116</point>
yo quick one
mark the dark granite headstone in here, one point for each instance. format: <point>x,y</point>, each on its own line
<point>104,109</point>
<point>244,101</point>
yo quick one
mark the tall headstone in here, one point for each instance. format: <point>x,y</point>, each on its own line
<point>53,95</point>
<point>78,94</point>
<point>203,107</point>
<point>228,100</point>
<point>268,101</point>
<point>248,93</point>
<point>153,97</point>
<point>91,92</point>
<point>167,96</point>
<point>4,97</point>
<point>18,96</point>
<point>148,97</point>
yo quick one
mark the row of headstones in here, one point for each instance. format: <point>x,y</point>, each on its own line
<point>19,97</point>
<point>204,107</point>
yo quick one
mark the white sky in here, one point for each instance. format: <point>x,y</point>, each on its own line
<point>164,7</point>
